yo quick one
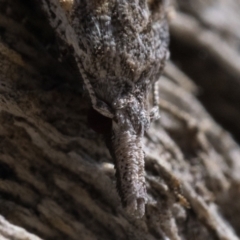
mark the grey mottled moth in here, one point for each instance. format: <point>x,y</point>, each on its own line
<point>121,47</point>
<point>124,45</point>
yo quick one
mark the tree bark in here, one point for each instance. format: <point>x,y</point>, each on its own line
<point>57,179</point>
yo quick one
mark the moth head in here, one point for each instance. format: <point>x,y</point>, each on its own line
<point>130,116</point>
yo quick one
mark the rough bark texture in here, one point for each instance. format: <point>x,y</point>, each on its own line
<point>56,175</point>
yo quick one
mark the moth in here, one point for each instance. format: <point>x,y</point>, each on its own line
<point>124,46</point>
